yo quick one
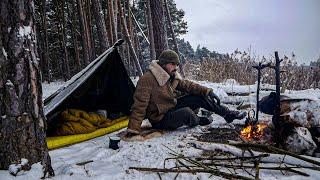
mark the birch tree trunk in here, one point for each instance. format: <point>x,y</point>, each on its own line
<point>158,23</point>
<point>22,121</point>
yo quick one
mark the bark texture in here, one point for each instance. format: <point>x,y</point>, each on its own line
<point>128,39</point>
<point>175,44</point>
<point>150,31</point>
<point>101,26</point>
<point>84,33</point>
<point>158,23</point>
<point>22,121</point>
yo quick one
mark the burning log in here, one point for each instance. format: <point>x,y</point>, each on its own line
<point>253,132</point>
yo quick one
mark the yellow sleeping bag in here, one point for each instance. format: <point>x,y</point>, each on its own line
<point>76,121</point>
<point>61,141</point>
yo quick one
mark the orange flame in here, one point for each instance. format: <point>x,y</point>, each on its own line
<point>253,132</point>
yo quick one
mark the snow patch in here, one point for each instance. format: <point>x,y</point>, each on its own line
<point>24,31</point>
<point>50,88</point>
<point>299,117</point>
<point>4,53</point>
<point>305,112</point>
<point>9,83</point>
<point>301,141</point>
<point>231,82</point>
<point>15,168</point>
<point>316,119</point>
<point>311,94</point>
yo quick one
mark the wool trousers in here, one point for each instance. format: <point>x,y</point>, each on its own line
<point>183,112</point>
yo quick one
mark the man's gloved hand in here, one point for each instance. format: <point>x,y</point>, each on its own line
<point>214,97</point>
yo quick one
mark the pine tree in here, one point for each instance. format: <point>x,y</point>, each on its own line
<point>22,121</point>
<point>158,23</point>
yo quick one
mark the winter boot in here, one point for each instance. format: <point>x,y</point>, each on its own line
<point>232,115</point>
<point>225,112</point>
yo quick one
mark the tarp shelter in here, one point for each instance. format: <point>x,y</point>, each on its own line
<point>103,84</point>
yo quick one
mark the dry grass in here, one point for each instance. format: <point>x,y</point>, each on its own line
<point>239,67</point>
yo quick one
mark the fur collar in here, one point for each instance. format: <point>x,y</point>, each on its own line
<point>160,74</point>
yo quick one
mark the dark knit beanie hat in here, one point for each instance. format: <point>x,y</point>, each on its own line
<point>168,56</point>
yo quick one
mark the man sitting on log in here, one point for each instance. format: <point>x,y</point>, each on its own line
<point>156,100</point>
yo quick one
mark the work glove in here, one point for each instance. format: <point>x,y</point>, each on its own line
<point>214,97</point>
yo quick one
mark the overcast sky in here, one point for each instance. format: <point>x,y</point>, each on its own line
<point>267,25</point>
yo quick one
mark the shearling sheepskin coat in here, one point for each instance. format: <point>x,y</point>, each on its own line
<point>155,95</point>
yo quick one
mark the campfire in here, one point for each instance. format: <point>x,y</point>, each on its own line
<point>252,132</point>
<point>294,126</point>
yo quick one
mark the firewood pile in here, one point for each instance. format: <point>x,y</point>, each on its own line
<point>235,160</point>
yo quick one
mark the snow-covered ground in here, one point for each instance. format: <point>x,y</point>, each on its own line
<point>50,88</point>
<point>105,163</point>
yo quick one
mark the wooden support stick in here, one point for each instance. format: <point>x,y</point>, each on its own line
<point>233,158</point>
<point>289,168</point>
<point>274,149</point>
<point>215,172</point>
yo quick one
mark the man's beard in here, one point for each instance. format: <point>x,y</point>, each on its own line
<point>173,72</point>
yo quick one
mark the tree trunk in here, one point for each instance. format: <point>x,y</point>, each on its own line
<point>129,20</point>
<point>46,45</point>
<point>138,48</point>
<point>83,28</point>
<point>45,54</point>
<point>101,26</point>
<point>65,64</point>
<point>113,23</point>
<point>115,12</point>
<point>175,45</point>
<point>128,59</point>
<point>130,30</point>
<point>108,24</point>
<point>22,121</point>
<point>150,31</point>
<point>158,23</point>
<point>72,13</point>
<point>127,37</point>
<point>90,30</point>
<point>119,30</point>
<point>39,33</point>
